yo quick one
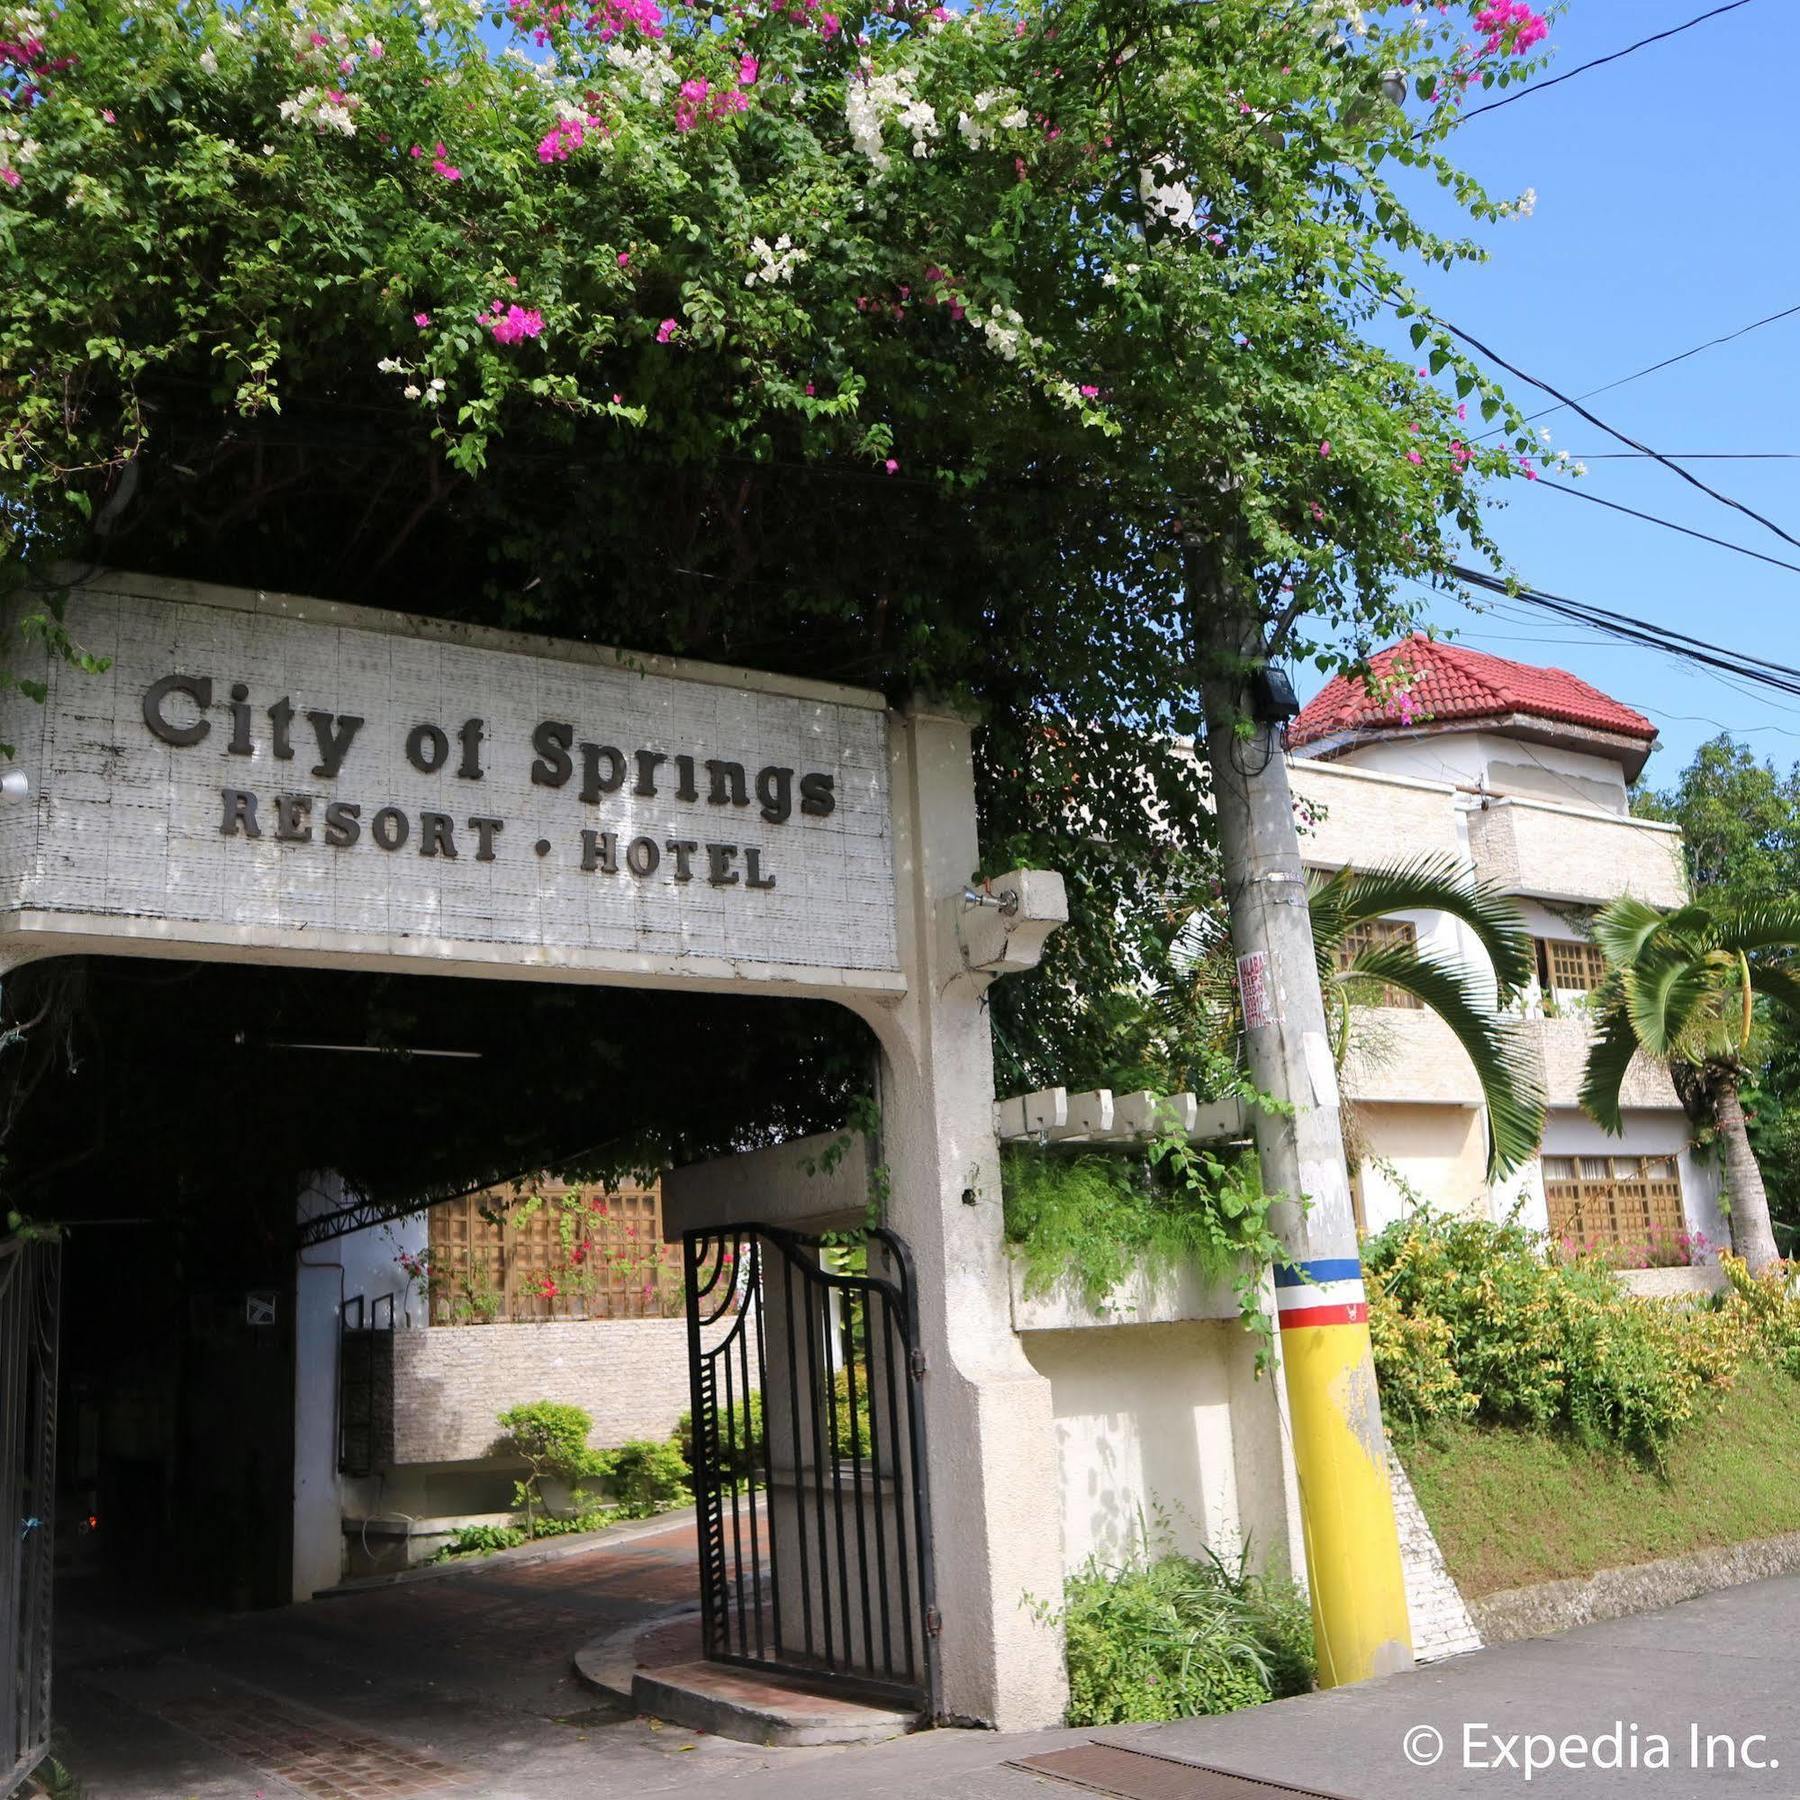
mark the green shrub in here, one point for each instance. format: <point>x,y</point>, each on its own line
<point>644,1477</point>
<point>593,1520</point>
<point>1472,1320</point>
<point>1093,1218</point>
<point>1171,1636</point>
<point>481,1540</point>
<point>553,1440</point>
<point>740,1441</point>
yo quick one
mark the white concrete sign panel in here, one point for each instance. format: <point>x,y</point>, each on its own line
<point>307,781</point>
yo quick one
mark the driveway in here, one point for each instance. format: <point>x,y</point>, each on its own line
<point>457,1684</point>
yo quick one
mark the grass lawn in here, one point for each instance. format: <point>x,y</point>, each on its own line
<point>1511,1507</point>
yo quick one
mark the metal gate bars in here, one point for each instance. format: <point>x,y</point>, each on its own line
<point>809,1460</point>
<point>30,1285</point>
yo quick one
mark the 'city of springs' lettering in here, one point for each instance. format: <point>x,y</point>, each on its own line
<point>176,710</point>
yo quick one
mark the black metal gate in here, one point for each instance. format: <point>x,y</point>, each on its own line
<point>809,1460</point>
<point>30,1287</point>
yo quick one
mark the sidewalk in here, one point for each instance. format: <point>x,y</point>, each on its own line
<point>1727,1663</point>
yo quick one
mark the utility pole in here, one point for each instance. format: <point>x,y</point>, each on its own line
<point>1340,1453</point>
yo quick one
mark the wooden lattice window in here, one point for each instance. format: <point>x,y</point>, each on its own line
<point>1379,934</point>
<point>552,1251</point>
<point>1570,965</point>
<point>1619,1203</point>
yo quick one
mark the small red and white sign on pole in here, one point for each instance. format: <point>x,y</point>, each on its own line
<point>1256,990</point>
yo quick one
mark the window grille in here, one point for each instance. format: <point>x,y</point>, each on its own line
<point>1569,965</point>
<point>1379,934</point>
<point>1630,1203</point>
<point>552,1252</point>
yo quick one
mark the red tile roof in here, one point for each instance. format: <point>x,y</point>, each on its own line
<point>1450,682</point>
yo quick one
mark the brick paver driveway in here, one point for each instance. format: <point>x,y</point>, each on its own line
<point>455,1685</point>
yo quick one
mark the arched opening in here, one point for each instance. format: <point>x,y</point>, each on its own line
<point>238,1157</point>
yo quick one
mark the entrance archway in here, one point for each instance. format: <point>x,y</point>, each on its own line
<point>263,780</point>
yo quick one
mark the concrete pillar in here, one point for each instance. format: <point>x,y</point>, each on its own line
<point>991,1440</point>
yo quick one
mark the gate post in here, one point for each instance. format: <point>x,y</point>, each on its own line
<point>996,1504</point>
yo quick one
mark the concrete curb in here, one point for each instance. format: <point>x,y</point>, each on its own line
<point>757,1709</point>
<point>609,1664</point>
<point>1551,1606</point>
<point>522,1556</point>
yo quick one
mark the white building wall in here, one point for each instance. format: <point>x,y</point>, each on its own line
<point>325,1276</point>
<point>1502,762</point>
<point>1168,1437</point>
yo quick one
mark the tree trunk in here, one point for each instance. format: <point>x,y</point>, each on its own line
<point>1752,1237</point>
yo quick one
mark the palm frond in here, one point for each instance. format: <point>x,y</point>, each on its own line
<point>1776,983</point>
<point>1353,897</point>
<point>1609,1058</point>
<point>1510,1087</point>
<point>1759,925</point>
<point>1624,927</point>
<point>1670,998</point>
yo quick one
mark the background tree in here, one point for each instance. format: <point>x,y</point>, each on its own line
<point>1682,989</point>
<point>877,343</point>
<point>1740,824</point>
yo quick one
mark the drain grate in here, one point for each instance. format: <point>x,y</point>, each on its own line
<point>1139,1775</point>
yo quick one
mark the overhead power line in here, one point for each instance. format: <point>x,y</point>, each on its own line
<point>1540,87</point>
<point>1560,487</point>
<point>1690,455</point>
<point>1774,318</point>
<point>1781,677</point>
<point>1613,431</point>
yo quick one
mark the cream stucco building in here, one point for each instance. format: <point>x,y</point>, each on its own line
<point>1521,775</point>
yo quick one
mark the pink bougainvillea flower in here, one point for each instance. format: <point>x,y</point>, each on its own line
<point>1413,427</point>
<point>515,323</point>
<point>1462,410</point>
<point>1325,447</point>
<point>748,69</point>
<point>1089,391</point>
<point>1526,469</point>
<point>11,177</point>
<point>415,152</point>
<point>809,389</point>
<point>689,101</point>
<point>892,466</point>
<point>440,166</point>
<point>665,331</point>
<point>618,399</point>
<point>624,259</point>
<point>1318,512</point>
<point>1511,25</point>
<point>422,320</point>
<point>1413,456</point>
<point>111,117</point>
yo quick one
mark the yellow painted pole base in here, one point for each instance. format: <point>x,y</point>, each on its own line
<point>1346,1498</point>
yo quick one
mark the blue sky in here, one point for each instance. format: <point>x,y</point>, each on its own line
<point>1668,212</point>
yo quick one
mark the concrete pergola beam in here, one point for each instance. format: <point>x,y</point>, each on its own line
<point>1098,1117</point>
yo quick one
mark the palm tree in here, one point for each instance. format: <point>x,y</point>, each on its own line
<point>1681,990</point>
<point>1356,969</point>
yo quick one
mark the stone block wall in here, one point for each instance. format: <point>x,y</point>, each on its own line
<point>450,1382</point>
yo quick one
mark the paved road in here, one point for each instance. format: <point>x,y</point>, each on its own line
<point>462,1686</point>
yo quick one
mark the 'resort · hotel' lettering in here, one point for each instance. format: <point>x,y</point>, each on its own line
<point>176,708</point>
